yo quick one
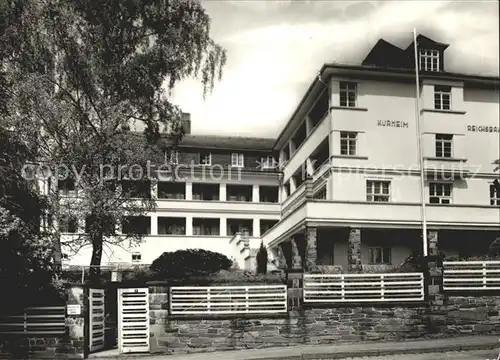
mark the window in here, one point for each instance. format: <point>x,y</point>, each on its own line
<point>136,257</point>
<point>380,255</point>
<point>378,191</point>
<point>267,162</point>
<point>348,143</point>
<point>237,160</point>
<point>440,193</point>
<point>320,194</point>
<point>429,60</point>
<point>206,159</point>
<point>172,157</point>
<point>443,145</point>
<point>348,94</point>
<point>442,97</point>
<point>494,195</point>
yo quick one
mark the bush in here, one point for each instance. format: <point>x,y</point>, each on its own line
<point>189,263</point>
<point>494,250</point>
<point>413,263</point>
<point>262,260</point>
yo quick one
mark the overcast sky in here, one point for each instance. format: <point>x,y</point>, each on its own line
<point>275,49</point>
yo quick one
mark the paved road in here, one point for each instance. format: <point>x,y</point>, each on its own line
<point>462,355</point>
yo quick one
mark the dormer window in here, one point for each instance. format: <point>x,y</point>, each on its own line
<point>429,60</point>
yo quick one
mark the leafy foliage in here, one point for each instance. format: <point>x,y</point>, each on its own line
<point>189,263</point>
<point>494,249</point>
<point>222,277</point>
<point>81,74</point>
<point>26,267</point>
<point>262,259</point>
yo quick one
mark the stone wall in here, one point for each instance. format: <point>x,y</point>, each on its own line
<point>342,324</point>
<point>17,347</point>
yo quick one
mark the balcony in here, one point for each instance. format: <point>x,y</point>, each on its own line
<point>315,138</point>
<point>392,215</point>
<point>439,168</point>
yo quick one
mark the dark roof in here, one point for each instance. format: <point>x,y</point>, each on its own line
<point>227,142</point>
<point>424,40</point>
<point>385,54</point>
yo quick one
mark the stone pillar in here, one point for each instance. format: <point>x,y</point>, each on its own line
<point>296,259</point>
<point>76,307</point>
<point>295,277</point>
<point>433,271</point>
<point>279,257</point>
<point>354,251</point>
<point>432,243</point>
<point>311,256</point>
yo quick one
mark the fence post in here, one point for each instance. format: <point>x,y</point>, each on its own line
<point>76,311</point>
<point>295,281</point>
<point>433,279</point>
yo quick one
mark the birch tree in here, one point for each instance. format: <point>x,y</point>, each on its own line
<point>81,75</point>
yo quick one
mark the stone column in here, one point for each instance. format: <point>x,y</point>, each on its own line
<point>311,257</point>
<point>296,259</point>
<point>354,251</point>
<point>432,243</point>
<point>433,271</point>
<point>279,257</point>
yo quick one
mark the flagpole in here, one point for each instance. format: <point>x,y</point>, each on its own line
<point>419,144</point>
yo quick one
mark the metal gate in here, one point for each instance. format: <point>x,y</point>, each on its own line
<point>96,319</point>
<point>133,320</point>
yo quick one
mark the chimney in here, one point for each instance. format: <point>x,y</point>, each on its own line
<point>186,123</point>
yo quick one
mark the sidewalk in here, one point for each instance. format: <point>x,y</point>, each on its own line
<point>340,351</point>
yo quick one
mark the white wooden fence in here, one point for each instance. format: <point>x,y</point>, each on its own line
<point>197,300</point>
<point>344,288</point>
<point>471,275</point>
<point>47,320</point>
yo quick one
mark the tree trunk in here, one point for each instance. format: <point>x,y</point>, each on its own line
<point>95,261</point>
<point>57,255</point>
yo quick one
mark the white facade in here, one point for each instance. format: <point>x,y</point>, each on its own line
<point>359,148</point>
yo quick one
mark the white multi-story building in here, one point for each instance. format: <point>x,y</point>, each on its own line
<point>347,188</point>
